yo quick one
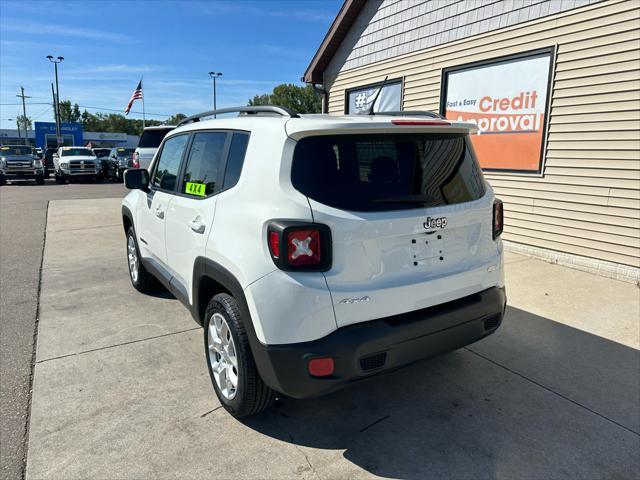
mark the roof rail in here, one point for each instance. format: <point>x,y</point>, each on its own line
<point>254,110</point>
<point>411,113</point>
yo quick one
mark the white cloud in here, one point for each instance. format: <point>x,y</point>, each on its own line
<point>32,28</point>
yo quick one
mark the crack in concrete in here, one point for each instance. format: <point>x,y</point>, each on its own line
<point>117,345</point>
<point>210,411</point>
<point>524,377</point>
<point>296,446</point>
<point>374,423</point>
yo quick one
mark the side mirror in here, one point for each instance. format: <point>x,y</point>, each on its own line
<point>136,179</point>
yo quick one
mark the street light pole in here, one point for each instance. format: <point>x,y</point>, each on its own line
<point>214,75</point>
<point>57,105</point>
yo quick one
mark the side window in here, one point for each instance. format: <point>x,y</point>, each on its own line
<point>203,165</point>
<point>169,163</point>
<point>236,159</point>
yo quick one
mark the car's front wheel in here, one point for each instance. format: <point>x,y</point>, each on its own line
<point>141,279</point>
<point>230,362</point>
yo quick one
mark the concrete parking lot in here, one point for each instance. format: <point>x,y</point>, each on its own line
<point>121,388</point>
<point>23,212</point>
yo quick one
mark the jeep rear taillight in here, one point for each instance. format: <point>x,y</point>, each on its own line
<point>299,246</point>
<point>498,218</point>
<point>274,244</point>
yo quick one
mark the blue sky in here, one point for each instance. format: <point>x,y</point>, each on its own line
<point>109,45</point>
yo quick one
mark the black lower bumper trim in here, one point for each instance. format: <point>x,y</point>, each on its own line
<point>365,349</point>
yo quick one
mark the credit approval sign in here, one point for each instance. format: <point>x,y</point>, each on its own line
<point>507,100</point>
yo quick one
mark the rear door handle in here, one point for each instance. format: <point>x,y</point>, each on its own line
<point>159,212</point>
<point>196,225</point>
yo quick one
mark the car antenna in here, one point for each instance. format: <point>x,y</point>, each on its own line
<point>377,95</point>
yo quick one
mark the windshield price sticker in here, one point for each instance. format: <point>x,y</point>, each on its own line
<point>195,189</point>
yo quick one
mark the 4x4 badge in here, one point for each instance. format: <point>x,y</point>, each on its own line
<point>439,222</point>
<point>350,301</point>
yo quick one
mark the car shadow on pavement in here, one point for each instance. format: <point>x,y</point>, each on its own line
<point>538,399</point>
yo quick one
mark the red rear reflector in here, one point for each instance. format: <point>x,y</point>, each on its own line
<point>303,247</point>
<point>420,122</point>
<point>321,367</point>
<point>274,244</point>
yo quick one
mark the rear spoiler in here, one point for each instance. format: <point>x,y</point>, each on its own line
<point>405,124</point>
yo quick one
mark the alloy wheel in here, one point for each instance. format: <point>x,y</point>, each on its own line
<point>222,356</point>
<point>132,255</point>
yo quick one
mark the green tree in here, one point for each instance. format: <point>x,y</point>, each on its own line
<point>113,122</point>
<point>69,113</point>
<point>24,123</point>
<point>175,119</point>
<point>299,99</point>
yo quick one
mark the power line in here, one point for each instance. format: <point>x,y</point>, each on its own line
<point>114,110</point>
<point>27,103</point>
<point>92,108</point>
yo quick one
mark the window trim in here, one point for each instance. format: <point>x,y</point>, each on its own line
<point>551,52</point>
<point>152,174</point>
<point>185,159</point>
<point>226,162</point>
<point>391,81</point>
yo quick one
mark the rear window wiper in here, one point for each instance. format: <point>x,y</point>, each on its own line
<point>420,199</point>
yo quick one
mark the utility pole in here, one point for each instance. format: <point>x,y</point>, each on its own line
<point>24,115</point>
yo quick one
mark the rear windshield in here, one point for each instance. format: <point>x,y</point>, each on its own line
<point>17,150</point>
<point>387,172</point>
<point>77,152</point>
<point>124,152</point>
<point>101,152</point>
<point>152,138</point>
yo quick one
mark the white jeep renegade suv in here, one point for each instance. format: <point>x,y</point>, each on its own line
<point>317,250</point>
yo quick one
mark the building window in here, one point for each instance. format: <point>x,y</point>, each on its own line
<point>508,99</point>
<point>358,100</point>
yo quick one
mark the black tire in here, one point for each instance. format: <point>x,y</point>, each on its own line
<point>59,178</point>
<point>252,396</point>
<point>144,282</point>
<point>40,180</point>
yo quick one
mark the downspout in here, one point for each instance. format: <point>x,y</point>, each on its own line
<point>325,98</point>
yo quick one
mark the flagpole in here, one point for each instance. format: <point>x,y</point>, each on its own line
<point>143,121</point>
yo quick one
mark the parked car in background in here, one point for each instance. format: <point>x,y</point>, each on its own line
<point>102,154</point>
<point>149,142</point>
<point>76,163</point>
<point>48,161</point>
<point>18,162</point>
<point>118,160</point>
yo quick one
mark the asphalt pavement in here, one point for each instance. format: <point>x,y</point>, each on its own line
<point>23,213</point>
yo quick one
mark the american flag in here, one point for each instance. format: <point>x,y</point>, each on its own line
<point>136,95</point>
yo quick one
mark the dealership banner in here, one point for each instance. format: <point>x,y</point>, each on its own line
<point>507,100</point>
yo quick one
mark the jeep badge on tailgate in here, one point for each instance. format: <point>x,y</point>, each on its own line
<point>440,222</point>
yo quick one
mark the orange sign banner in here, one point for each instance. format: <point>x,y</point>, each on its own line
<point>507,100</point>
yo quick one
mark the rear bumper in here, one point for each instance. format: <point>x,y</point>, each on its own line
<point>365,349</point>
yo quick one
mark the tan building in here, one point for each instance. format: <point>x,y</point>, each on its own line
<point>554,87</point>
